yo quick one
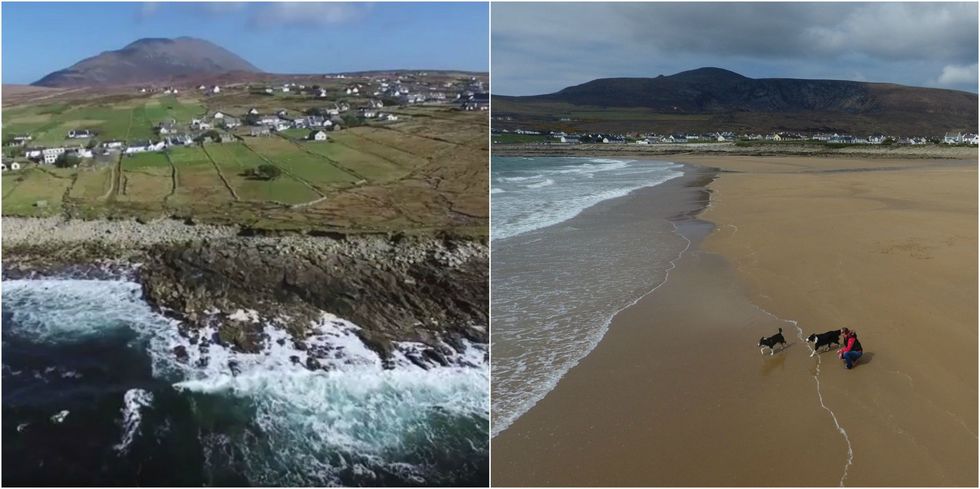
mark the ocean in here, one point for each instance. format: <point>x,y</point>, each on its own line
<point>93,394</point>
<point>569,252</point>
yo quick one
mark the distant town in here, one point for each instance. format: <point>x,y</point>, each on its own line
<point>339,101</point>
<point>505,136</point>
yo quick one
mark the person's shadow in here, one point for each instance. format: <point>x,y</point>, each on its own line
<point>865,358</point>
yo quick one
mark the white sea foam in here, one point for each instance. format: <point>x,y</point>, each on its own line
<point>547,182</point>
<point>348,415</point>
<point>133,401</point>
<point>528,197</point>
<point>60,416</point>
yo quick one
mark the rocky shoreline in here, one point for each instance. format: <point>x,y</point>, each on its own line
<point>422,289</point>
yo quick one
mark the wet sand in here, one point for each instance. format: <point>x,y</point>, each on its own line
<point>677,393</point>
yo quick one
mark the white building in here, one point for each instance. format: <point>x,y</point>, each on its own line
<point>318,136</point>
<point>52,154</point>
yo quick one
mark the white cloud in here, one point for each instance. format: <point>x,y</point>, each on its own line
<point>308,14</point>
<point>958,75</point>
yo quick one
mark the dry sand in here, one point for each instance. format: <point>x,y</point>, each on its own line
<point>678,394</point>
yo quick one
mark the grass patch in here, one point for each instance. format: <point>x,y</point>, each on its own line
<point>24,188</point>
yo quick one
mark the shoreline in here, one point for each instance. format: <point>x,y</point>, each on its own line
<point>600,406</point>
<point>393,286</point>
<point>677,200</point>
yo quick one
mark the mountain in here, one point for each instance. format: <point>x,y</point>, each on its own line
<point>148,61</point>
<point>709,99</point>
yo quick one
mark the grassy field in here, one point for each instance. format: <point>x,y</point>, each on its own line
<point>22,191</point>
<point>425,172</point>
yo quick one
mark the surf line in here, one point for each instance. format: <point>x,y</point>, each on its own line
<point>816,379</point>
<point>594,343</point>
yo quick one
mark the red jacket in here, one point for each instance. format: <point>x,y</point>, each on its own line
<point>851,343</point>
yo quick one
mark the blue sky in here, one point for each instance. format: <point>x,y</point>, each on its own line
<point>544,47</point>
<point>39,38</point>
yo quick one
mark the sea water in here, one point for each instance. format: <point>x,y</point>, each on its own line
<point>93,393</point>
<point>564,263</point>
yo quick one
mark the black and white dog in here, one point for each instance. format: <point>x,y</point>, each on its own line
<point>824,339</point>
<point>771,342</point>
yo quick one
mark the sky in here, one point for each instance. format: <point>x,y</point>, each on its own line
<point>543,47</point>
<point>39,38</point>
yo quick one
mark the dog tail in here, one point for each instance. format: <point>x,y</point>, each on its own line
<point>780,330</point>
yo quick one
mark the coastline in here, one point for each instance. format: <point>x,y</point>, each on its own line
<point>380,342</point>
<point>675,394</point>
<point>596,288</point>
<point>202,274</point>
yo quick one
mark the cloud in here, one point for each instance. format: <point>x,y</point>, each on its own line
<point>147,10</point>
<point>534,43</point>
<point>308,14</point>
<point>955,75</point>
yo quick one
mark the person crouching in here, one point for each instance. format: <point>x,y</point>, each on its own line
<point>852,348</point>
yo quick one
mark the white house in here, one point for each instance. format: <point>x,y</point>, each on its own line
<point>951,138</point>
<point>322,93</point>
<point>318,136</point>
<point>253,111</point>
<point>83,153</point>
<point>368,113</point>
<point>391,117</point>
<point>285,89</point>
<point>112,144</point>
<point>282,125</point>
<point>52,154</point>
<point>269,91</point>
<point>215,89</point>
<point>219,115</point>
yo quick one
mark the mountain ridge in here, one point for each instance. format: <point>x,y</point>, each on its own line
<point>724,100</point>
<point>149,60</point>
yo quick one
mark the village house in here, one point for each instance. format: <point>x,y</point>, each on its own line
<point>229,122</point>
<point>218,115</point>
<point>145,146</point>
<point>20,140</point>
<point>268,91</point>
<point>253,111</point>
<point>318,136</point>
<point>83,153</point>
<point>282,125</point>
<point>321,93</point>
<point>255,131</point>
<point>215,89</point>
<point>79,134</point>
<point>51,154</point>
<point>112,144</point>
<point>178,140</point>
<point>368,113</point>
<point>165,128</point>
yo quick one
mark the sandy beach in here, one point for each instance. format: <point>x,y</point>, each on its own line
<point>678,394</point>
